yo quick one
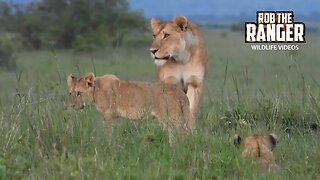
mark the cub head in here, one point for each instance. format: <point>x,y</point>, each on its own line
<point>80,90</point>
<point>260,149</point>
<point>257,146</point>
<point>170,39</point>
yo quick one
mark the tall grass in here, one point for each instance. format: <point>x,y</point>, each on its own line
<point>254,92</point>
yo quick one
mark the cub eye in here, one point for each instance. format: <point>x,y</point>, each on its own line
<point>153,36</point>
<point>69,93</point>
<point>166,35</point>
<point>78,93</point>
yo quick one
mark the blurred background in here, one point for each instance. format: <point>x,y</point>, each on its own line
<point>246,91</point>
<point>86,25</point>
<point>200,10</point>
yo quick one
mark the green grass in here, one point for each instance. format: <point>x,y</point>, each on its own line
<point>42,138</point>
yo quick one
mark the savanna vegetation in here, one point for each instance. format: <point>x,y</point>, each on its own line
<point>71,23</point>
<point>246,92</point>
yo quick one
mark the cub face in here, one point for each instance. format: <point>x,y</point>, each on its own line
<point>79,90</point>
<point>168,38</point>
<point>260,148</point>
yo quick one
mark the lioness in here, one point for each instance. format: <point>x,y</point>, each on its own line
<point>132,100</point>
<point>181,56</point>
<point>260,149</point>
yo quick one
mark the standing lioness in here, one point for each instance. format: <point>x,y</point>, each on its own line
<point>132,100</point>
<point>181,56</point>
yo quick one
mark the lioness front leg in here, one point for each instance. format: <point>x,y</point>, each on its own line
<point>194,93</point>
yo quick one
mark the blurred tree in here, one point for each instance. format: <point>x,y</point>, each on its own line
<point>7,58</point>
<point>72,23</point>
<point>4,14</point>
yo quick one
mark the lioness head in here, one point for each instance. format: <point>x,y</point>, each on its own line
<point>260,148</point>
<point>80,89</point>
<point>170,39</point>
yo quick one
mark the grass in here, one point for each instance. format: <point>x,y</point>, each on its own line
<point>246,92</point>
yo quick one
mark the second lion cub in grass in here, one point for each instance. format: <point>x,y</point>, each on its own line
<point>132,100</point>
<point>259,148</point>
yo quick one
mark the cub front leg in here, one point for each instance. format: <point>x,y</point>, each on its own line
<point>107,115</point>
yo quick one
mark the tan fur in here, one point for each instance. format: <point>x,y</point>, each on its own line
<point>179,43</point>
<point>132,100</point>
<point>259,148</point>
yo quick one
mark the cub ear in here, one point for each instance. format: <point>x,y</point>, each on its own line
<point>273,139</point>
<point>155,23</point>
<point>237,140</point>
<point>70,80</point>
<point>89,78</point>
<point>182,22</point>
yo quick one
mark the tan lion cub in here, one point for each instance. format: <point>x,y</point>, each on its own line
<point>260,148</point>
<point>132,100</point>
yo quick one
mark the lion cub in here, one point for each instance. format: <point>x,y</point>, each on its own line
<point>132,100</point>
<point>260,148</point>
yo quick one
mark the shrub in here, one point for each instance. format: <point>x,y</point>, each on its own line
<point>7,58</point>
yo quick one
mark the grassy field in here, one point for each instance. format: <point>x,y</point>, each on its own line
<point>270,91</point>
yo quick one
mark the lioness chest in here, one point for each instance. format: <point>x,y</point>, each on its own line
<point>183,74</point>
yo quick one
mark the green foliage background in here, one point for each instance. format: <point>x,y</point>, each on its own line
<point>79,24</point>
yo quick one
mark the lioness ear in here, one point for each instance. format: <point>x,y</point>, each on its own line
<point>155,23</point>
<point>70,80</point>
<point>237,140</point>
<point>273,140</point>
<point>89,78</point>
<point>182,22</point>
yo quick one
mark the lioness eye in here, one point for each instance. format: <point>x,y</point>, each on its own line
<point>69,93</point>
<point>166,35</point>
<point>153,36</point>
